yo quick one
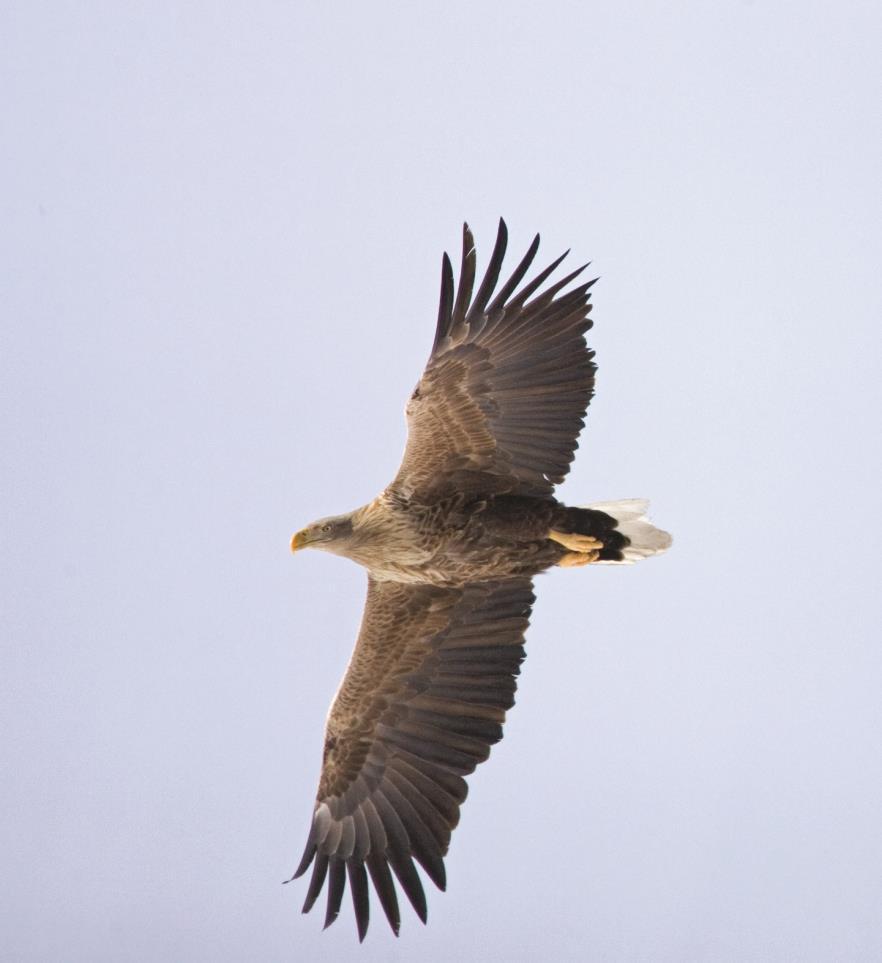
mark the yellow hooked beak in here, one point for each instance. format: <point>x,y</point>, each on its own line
<point>299,540</point>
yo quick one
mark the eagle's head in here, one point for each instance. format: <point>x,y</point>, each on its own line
<point>329,534</point>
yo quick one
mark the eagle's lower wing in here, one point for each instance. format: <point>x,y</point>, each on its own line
<point>423,699</point>
<point>504,394</point>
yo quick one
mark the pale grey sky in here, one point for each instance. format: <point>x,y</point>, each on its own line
<point>222,229</point>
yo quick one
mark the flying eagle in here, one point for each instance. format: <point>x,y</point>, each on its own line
<point>451,548</point>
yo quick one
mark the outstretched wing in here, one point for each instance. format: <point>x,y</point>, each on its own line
<point>504,394</point>
<point>423,699</point>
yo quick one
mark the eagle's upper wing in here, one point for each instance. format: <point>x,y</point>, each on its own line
<point>421,703</point>
<point>503,397</point>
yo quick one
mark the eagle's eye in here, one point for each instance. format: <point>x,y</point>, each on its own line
<point>326,528</point>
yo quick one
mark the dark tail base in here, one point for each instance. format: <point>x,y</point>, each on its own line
<point>599,525</point>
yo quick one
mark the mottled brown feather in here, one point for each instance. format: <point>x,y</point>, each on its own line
<point>464,414</point>
<point>421,703</point>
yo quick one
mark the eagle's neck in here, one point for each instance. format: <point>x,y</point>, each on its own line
<point>382,534</point>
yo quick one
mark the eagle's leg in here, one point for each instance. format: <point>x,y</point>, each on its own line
<point>577,559</point>
<point>576,543</point>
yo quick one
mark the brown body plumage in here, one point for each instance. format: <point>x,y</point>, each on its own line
<point>451,547</point>
<point>469,538</point>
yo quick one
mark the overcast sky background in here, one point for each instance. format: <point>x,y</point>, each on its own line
<point>221,242</point>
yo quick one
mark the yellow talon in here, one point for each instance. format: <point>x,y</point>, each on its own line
<point>577,559</point>
<point>576,543</point>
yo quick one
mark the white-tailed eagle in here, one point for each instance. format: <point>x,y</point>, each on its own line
<point>451,548</point>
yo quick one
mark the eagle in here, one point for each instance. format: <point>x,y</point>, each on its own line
<point>451,549</point>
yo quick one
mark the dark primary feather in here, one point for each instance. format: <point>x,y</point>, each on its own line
<point>445,304</point>
<point>422,701</point>
<point>502,400</point>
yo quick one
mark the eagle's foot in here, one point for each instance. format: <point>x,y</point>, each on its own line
<point>576,543</point>
<point>577,559</point>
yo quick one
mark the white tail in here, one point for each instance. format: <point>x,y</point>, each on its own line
<point>646,539</point>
